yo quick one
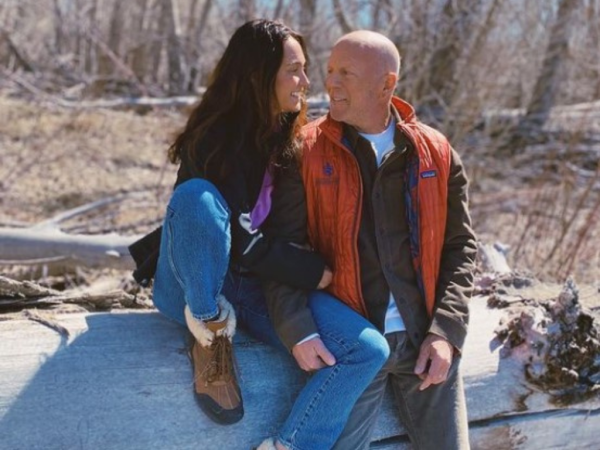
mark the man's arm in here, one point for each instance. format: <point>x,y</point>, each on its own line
<point>455,284</point>
<point>455,281</point>
<point>288,306</point>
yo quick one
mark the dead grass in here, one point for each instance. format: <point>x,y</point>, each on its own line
<point>545,206</point>
<point>56,159</point>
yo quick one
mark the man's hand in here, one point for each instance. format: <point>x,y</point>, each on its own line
<point>326,278</point>
<point>435,358</point>
<point>312,355</point>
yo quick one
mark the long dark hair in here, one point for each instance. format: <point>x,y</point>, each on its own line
<point>241,97</point>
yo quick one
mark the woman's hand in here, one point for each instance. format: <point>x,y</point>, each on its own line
<point>326,278</point>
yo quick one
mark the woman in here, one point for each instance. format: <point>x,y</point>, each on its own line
<point>239,140</point>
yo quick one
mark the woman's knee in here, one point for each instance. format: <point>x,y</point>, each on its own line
<point>373,346</point>
<point>201,196</point>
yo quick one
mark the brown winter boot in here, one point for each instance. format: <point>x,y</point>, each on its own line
<point>215,385</point>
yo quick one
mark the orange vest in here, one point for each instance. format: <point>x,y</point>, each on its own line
<point>334,201</point>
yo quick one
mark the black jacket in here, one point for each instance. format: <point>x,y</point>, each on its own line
<point>240,184</point>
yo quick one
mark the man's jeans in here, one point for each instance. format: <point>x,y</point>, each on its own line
<point>193,269</point>
<point>435,419</point>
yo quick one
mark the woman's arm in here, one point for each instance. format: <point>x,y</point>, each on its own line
<point>278,256</point>
<point>288,306</point>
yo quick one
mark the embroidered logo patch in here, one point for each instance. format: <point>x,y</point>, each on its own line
<point>428,174</point>
<point>328,169</point>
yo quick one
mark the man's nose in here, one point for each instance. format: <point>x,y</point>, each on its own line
<point>331,80</point>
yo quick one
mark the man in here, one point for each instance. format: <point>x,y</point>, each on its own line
<point>386,198</point>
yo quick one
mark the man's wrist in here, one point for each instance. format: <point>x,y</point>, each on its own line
<point>308,338</point>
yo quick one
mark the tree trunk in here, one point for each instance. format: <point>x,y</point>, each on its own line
<point>246,10</point>
<point>454,29</point>
<point>382,9</point>
<point>338,10</point>
<point>190,27</point>
<point>208,4</point>
<point>593,21</point>
<point>139,54</point>
<point>550,75</point>
<point>58,28</point>
<point>308,10</point>
<point>106,63</point>
<point>52,247</point>
<point>124,366</point>
<point>115,34</point>
<point>175,57</point>
<point>89,51</point>
<point>278,10</point>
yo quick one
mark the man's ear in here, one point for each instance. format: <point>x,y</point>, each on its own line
<point>389,82</point>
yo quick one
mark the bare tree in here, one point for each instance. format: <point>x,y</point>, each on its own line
<point>176,58</point>
<point>308,10</point>
<point>593,20</point>
<point>88,54</point>
<point>382,12</point>
<point>140,49</point>
<point>277,13</point>
<point>550,75</point>
<point>453,30</point>
<point>106,58</point>
<point>196,45</point>
<point>246,10</point>
<point>58,27</point>
<point>343,21</point>
<point>13,52</point>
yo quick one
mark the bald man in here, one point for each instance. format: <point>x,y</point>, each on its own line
<point>383,198</point>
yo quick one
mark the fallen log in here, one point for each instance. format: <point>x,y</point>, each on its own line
<point>79,386</point>
<point>44,243</point>
<point>320,103</point>
<point>50,246</point>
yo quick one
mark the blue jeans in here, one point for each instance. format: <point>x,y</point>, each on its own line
<point>193,264</point>
<point>194,252</point>
<point>193,269</point>
<point>324,405</point>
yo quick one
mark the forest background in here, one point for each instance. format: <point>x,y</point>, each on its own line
<point>514,84</point>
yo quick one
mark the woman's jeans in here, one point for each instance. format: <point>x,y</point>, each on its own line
<point>193,269</point>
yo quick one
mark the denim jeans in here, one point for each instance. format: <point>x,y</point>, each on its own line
<point>194,252</point>
<point>193,269</point>
<point>321,410</point>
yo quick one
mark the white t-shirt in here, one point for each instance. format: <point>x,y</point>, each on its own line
<point>382,144</point>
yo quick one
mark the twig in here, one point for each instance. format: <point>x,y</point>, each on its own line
<point>54,221</point>
<point>37,317</point>
<point>23,288</point>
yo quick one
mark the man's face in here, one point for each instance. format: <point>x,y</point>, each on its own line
<point>354,84</point>
<point>291,82</point>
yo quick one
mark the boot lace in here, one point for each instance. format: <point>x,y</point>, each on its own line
<point>220,366</point>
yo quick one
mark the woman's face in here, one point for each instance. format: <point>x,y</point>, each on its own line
<point>291,82</point>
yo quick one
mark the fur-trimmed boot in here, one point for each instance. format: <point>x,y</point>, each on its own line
<point>215,384</point>
<point>267,444</point>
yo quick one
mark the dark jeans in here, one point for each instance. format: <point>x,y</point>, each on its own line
<point>435,419</point>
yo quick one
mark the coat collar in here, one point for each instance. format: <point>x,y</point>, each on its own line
<point>404,111</point>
